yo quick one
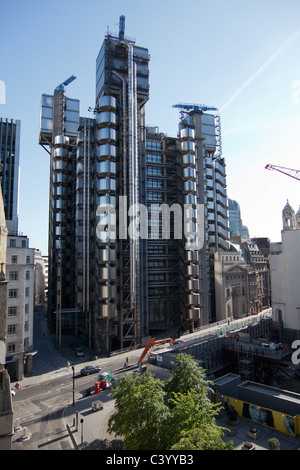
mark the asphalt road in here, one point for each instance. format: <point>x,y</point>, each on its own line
<point>43,405</point>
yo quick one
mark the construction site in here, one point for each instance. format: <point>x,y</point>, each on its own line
<point>249,347</point>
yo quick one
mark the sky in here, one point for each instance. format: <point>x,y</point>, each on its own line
<point>237,55</point>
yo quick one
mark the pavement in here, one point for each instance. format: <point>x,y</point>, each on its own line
<point>238,434</point>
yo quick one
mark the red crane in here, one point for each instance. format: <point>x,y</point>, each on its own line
<point>286,171</point>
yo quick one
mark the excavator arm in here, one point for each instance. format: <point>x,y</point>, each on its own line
<point>151,343</point>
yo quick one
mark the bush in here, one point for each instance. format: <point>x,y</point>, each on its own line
<point>274,443</point>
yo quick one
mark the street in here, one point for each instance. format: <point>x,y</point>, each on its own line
<point>43,405</point>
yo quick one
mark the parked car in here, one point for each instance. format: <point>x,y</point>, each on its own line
<point>87,370</point>
<point>79,352</point>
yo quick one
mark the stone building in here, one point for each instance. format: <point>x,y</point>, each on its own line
<point>285,273</point>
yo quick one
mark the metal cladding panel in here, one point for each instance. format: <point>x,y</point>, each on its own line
<point>46,113</point>
<point>210,140</point>
<point>113,56</point>
<point>71,115</point>
<point>141,52</point>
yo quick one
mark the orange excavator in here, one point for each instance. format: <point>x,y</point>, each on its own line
<point>151,343</point>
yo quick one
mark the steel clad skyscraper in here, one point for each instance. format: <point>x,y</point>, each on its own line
<point>94,282</point>
<point>113,279</point>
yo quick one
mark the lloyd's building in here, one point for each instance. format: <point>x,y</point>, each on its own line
<point>105,285</point>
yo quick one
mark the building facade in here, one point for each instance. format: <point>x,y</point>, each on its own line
<point>235,221</point>
<point>20,306</point>
<point>284,266</point>
<point>114,276</point>
<point>9,169</point>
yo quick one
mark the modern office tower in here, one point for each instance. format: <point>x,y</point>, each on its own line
<point>122,89</point>
<point>9,169</point>
<point>114,276</point>
<point>94,277</point>
<point>235,221</point>
<point>205,185</point>
<point>163,253</point>
<point>59,135</point>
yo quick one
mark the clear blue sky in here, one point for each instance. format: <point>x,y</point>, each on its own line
<point>240,56</point>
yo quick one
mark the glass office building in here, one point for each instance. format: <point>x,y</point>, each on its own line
<point>9,169</point>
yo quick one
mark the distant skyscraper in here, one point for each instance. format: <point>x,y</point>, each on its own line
<point>9,169</point>
<point>235,221</point>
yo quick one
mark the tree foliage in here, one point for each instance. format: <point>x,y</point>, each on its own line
<point>140,412</point>
<point>174,415</point>
<point>187,375</point>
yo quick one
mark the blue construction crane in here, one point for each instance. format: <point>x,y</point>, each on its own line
<point>65,83</point>
<point>194,107</point>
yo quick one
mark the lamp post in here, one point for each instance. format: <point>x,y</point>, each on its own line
<point>73,368</point>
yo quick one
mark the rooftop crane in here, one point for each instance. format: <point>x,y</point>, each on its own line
<point>194,107</point>
<point>65,83</point>
<point>286,171</point>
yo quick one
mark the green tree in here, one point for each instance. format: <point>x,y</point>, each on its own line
<point>174,415</point>
<point>140,412</point>
<point>192,424</point>
<point>187,375</point>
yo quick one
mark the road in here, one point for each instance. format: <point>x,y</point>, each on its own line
<point>43,405</point>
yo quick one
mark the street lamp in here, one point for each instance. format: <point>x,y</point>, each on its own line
<point>73,368</point>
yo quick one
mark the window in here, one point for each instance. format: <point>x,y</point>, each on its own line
<point>156,277</point>
<point>13,275</point>
<point>154,145</point>
<point>14,259</point>
<point>27,259</point>
<point>152,158</point>
<point>27,292</point>
<point>12,242</point>
<point>11,329</point>
<point>11,347</point>
<point>13,293</point>
<point>155,196</point>
<point>27,275</point>
<point>156,249</point>
<point>12,311</point>
<point>153,183</point>
<point>156,264</point>
<point>154,170</point>
<point>26,308</point>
